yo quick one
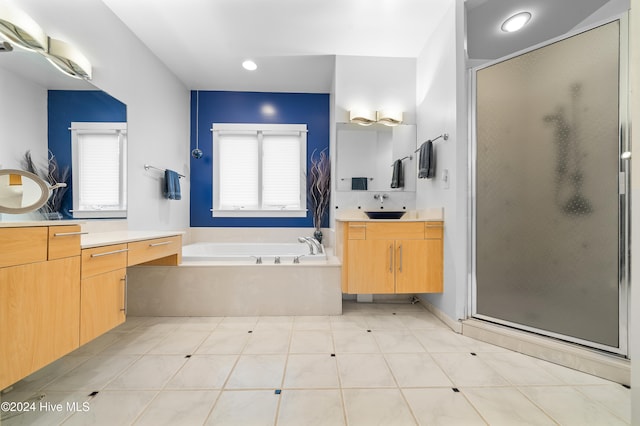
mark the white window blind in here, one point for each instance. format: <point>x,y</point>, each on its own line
<point>99,157</point>
<point>281,171</point>
<point>259,170</point>
<point>238,171</point>
<point>99,169</point>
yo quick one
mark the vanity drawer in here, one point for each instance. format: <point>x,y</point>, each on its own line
<point>433,230</point>
<point>357,231</point>
<point>64,241</point>
<point>395,231</point>
<point>103,259</point>
<point>148,250</point>
<point>19,246</point>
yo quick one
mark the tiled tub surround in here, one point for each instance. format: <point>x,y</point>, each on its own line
<point>239,287</point>
<point>236,289</point>
<point>391,364</point>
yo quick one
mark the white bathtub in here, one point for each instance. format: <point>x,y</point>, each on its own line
<point>268,252</point>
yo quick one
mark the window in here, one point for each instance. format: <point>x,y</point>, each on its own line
<point>99,169</point>
<point>259,170</point>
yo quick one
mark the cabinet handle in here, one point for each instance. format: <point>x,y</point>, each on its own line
<point>164,243</point>
<point>400,257</point>
<point>357,226</point>
<point>126,285</point>
<point>390,258</point>
<point>107,253</point>
<point>68,234</point>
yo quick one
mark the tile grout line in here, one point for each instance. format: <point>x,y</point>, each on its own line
<point>340,388</point>
<point>284,373</point>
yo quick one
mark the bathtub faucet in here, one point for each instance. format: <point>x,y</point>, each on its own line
<point>306,240</point>
<point>314,245</point>
<point>317,245</point>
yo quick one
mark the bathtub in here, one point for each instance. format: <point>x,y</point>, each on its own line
<point>268,252</point>
<point>222,279</point>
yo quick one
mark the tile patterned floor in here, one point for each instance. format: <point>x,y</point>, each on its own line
<point>378,364</point>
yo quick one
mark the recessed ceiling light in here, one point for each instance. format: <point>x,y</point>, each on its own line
<point>516,22</point>
<point>249,65</point>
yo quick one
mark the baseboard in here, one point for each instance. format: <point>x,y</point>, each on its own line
<point>607,366</point>
<point>451,323</point>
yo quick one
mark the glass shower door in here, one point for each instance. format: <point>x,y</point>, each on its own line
<point>549,210</point>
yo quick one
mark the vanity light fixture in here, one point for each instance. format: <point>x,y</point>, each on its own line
<point>18,28</point>
<point>390,117</point>
<point>362,117</point>
<point>249,65</point>
<point>68,59</point>
<point>515,22</point>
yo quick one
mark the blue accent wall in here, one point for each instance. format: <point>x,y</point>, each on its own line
<point>67,106</point>
<point>250,107</point>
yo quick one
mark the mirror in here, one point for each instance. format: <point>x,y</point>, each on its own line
<point>366,154</point>
<point>41,103</point>
<point>21,192</point>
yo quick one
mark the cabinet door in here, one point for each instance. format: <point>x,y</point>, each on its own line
<point>371,266</point>
<point>435,266</point>
<point>411,266</point>
<point>39,312</point>
<point>103,299</point>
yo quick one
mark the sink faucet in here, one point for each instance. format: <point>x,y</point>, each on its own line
<point>381,197</point>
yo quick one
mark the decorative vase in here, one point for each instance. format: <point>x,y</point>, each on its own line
<point>53,216</point>
<point>318,235</point>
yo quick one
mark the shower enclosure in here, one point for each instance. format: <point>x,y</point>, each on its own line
<point>550,219</point>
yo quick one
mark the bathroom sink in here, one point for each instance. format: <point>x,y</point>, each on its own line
<point>385,214</point>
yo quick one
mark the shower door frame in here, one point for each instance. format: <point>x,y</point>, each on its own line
<point>624,171</point>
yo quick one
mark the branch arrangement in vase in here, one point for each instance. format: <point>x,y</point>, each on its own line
<point>319,184</point>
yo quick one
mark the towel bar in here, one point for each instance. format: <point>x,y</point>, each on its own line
<point>147,167</point>
<point>444,136</point>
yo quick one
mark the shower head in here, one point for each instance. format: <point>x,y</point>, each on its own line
<point>196,153</point>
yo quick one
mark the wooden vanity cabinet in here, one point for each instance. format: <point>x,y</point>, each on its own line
<point>388,258</point>
<point>103,290</point>
<point>39,298</point>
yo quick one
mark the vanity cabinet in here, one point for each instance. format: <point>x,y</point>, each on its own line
<point>39,298</point>
<point>56,295</point>
<point>388,258</point>
<point>103,290</point>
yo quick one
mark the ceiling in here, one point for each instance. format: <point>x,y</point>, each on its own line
<point>293,41</point>
<point>550,19</point>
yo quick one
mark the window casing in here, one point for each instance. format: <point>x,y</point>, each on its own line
<point>99,156</point>
<point>259,170</point>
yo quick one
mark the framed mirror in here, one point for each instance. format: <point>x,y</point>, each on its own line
<point>21,191</point>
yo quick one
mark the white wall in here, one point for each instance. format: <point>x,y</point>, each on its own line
<point>634,310</point>
<point>442,108</point>
<point>372,83</point>
<point>23,120</point>
<point>157,102</point>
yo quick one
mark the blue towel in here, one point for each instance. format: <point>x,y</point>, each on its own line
<point>172,185</point>
<point>427,161</point>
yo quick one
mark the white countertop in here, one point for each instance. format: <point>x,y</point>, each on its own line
<point>97,239</point>
<point>435,214</point>
<point>28,223</point>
